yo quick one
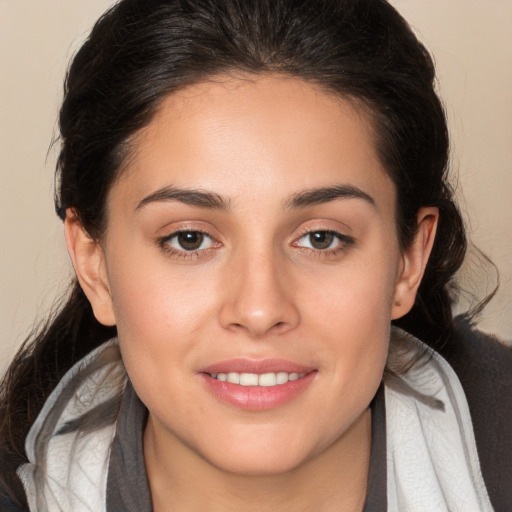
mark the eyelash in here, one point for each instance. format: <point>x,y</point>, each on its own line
<point>164,244</point>
<point>345,243</point>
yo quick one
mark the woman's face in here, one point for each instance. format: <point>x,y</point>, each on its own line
<point>253,233</point>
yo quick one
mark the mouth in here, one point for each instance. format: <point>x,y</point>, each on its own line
<point>257,385</point>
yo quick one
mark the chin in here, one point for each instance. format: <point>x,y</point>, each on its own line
<point>261,466</point>
<point>266,457</point>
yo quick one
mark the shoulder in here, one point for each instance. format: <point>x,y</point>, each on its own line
<point>68,445</point>
<point>468,342</point>
<point>483,365</point>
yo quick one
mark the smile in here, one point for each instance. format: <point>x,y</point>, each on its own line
<point>257,389</point>
<point>254,379</point>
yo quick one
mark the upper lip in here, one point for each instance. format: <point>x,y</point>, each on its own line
<point>258,366</point>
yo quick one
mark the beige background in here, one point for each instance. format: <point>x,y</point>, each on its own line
<point>472,44</point>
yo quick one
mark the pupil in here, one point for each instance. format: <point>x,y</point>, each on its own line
<point>190,240</point>
<point>321,239</point>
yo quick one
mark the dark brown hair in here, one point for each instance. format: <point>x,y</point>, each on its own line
<point>142,50</point>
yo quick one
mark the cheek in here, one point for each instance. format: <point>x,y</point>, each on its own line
<point>352,309</point>
<point>156,323</point>
<point>152,299</point>
<point>358,294</point>
<point>159,315</point>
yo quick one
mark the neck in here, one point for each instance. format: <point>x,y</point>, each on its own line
<point>334,479</point>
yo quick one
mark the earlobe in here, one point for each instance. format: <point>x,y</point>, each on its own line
<point>414,262</point>
<point>89,262</point>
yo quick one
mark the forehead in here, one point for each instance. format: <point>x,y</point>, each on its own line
<point>262,135</point>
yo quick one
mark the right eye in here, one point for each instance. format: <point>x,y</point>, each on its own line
<point>187,241</point>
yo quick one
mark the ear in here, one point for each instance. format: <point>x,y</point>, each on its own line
<point>414,261</point>
<point>90,267</point>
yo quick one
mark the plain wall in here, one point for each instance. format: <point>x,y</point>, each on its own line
<point>472,44</point>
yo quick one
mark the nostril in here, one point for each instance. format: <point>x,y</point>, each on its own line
<point>279,326</point>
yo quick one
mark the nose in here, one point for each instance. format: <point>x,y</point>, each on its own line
<point>258,297</point>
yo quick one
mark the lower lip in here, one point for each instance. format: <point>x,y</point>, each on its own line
<point>257,398</point>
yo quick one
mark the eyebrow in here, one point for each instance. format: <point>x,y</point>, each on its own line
<point>211,200</point>
<point>192,197</point>
<point>326,194</point>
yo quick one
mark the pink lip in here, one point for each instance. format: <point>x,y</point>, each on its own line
<point>246,365</point>
<point>257,398</point>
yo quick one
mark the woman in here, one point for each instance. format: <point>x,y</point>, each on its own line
<point>252,194</point>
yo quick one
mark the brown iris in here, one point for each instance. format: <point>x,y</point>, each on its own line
<point>190,240</point>
<point>321,239</point>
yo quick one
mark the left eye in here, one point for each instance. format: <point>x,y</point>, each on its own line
<point>322,240</point>
<point>189,241</point>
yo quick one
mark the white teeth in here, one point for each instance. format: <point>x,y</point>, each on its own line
<point>248,379</point>
<point>254,379</point>
<point>281,378</point>
<point>233,377</point>
<point>267,379</point>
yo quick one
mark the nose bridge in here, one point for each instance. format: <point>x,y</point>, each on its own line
<point>259,299</point>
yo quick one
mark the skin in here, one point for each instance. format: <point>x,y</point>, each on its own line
<point>257,287</point>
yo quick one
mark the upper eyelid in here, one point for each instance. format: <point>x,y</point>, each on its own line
<point>187,230</point>
<point>340,236</point>
<point>163,239</point>
<point>323,224</point>
<point>315,229</point>
<point>322,230</point>
<point>170,231</point>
